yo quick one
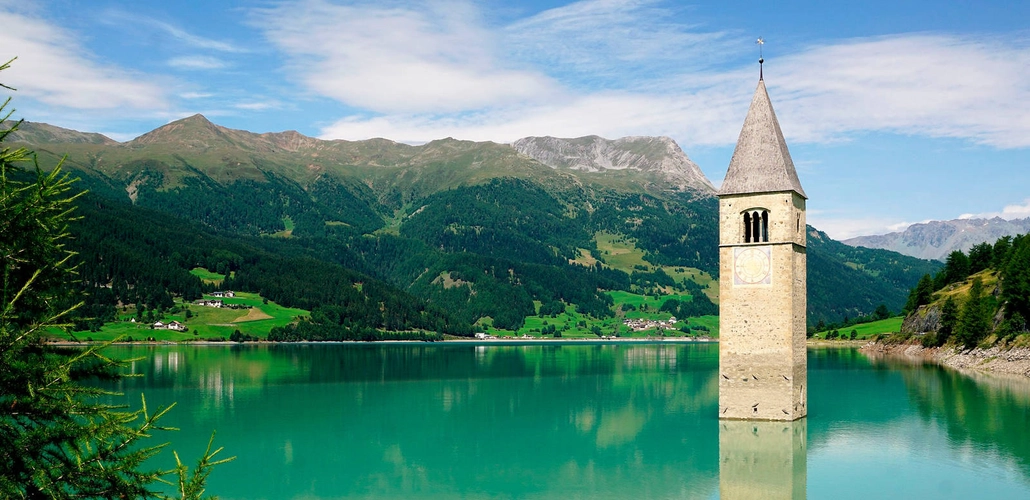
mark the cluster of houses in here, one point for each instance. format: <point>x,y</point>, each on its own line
<point>639,325</point>
<point>218,302</point>
<point>171,325</point>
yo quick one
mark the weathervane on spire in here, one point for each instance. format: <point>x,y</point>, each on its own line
<point>760,42</point>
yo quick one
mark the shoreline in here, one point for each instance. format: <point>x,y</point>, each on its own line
<point>1013,361</point>
<point>630,340</point>
<point>670,340</point>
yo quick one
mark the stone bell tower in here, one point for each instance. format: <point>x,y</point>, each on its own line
<point>763,368</point>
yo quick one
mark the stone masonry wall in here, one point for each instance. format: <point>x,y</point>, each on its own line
<point>762,352</point>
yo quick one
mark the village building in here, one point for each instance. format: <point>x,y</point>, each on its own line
<point>171,325</point>
<point>639,325</point>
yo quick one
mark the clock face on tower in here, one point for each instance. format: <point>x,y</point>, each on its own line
<point>752,265</point>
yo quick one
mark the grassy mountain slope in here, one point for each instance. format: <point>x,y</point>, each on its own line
<point>477,229</point>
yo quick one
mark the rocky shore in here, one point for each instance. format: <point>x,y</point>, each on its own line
<point>1014,361</point>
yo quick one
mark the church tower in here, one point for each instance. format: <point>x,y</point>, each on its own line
<point>763,368</point>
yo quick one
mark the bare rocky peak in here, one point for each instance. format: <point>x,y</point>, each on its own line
<point>936,239</point>
<point>657,155</point>
<point>41,133</point>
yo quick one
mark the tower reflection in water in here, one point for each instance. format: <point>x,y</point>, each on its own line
<point>762,459</point>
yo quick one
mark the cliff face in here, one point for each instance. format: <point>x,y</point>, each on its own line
<point>660,156</point>
<point>936,239</point>
<point>926,319</point>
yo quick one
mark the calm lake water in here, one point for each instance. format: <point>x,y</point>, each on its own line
<point>575,421</point>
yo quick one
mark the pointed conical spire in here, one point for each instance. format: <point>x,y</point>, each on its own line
<point>761,162</point>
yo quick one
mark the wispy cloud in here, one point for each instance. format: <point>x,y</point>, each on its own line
<point>842,228</point>
<point>424,58</point>
<point>196,95</point>
<point>179,34</point>
<point>975,88</point>
<point>258,105</point>
<point>54,68</point>
<point>609,67</point>
<point>196,62</point>
<point>610,114</point>
<point>1009,212</point>
<point>614,40</point>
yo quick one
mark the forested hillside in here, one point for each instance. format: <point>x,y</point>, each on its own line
<point>131,256</point>
<point>979,296</point>
<point>464,232</point>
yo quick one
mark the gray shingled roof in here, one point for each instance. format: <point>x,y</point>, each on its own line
<point>761,162</point>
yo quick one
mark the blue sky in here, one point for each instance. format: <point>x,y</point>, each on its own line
<point>895,111</point>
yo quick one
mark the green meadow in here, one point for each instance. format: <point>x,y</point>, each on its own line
<point>867,330</point>
<point>204,323</point>
<point>620,252</point>
<point>207,276</point>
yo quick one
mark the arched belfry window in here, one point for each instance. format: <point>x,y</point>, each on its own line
<point>756,226</point>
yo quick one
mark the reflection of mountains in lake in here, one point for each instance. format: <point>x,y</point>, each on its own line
<point>576,421</point>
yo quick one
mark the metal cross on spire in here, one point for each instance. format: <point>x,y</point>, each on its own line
<point>760,42</point>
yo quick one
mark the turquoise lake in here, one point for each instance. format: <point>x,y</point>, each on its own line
<point>575,421</point>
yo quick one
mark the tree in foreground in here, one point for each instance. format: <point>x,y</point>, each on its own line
<point>57,438</point>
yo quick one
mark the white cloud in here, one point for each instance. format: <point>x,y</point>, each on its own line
<point>607,114</point>
<point>1016,211</point>
<point>922,84</point>
<point>183,36</point>
<point>196,62</point>
<point>613,39</point>
<point>258,105</point>
<point>605,67</point>
<point>436,57</point>
<point>195,95</point>
<point>53,68</point>
<point>844,228</point>
<point>1009,212</point>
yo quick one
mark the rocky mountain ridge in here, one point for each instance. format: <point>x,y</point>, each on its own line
<point>936,239</point>
<point>655,155</point>
<point>655,164</point>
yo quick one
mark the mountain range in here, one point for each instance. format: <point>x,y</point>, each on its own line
<point>936,239</point>
<point>442,220</point>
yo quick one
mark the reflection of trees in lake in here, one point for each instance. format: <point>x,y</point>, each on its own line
<point>587,420</point>
<point>987,410</point>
